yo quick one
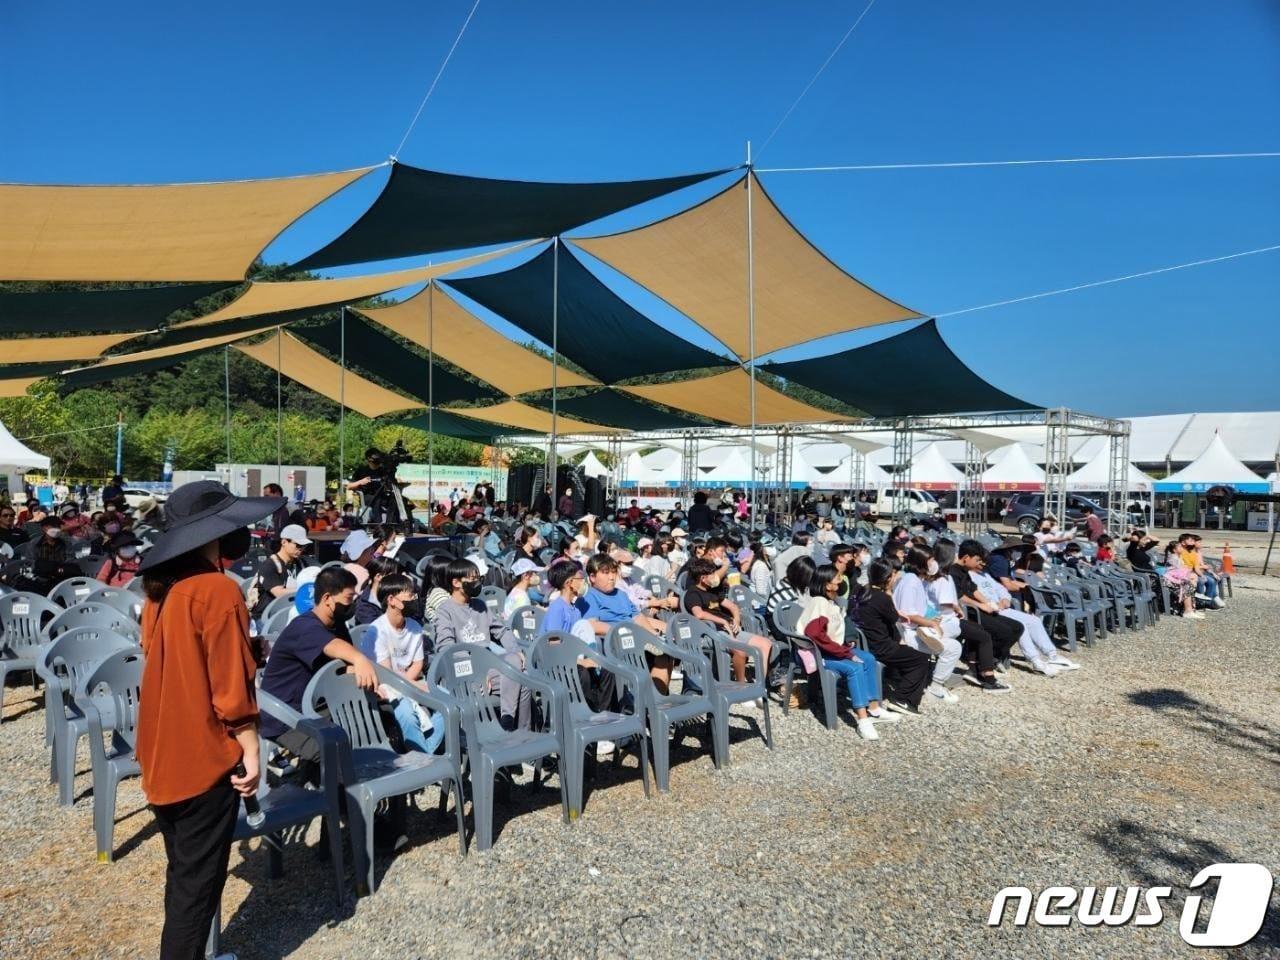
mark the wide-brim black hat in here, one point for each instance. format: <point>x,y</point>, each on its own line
<point>1010,543</point>
<point>125,538</point>
<point>201,512</point>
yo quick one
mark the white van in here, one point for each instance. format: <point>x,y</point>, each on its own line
<point>891,500</point>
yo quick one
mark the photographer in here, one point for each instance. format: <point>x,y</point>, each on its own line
<point>376,480</point>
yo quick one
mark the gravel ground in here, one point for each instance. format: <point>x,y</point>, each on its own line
<point>1160,757</point>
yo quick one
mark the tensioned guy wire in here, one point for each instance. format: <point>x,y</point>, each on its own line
<point>830,57</point>
<point>1014,163</point>
<point>1103,283</point>
<point>439,73</point>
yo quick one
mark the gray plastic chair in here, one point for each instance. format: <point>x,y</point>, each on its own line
<point>98,616</point>
<point>24,618</point>
<point>124,601</point>
<point>108,698</point>
<point>363,638</point>
<point>699,636</point>
<point>555,657</point>
<point>786,619</point>
<point>76,590</point>
<point>64,664</point>
<point>526,624</point>
<point>462,670</point>
<point>271,624</point>
<point>282,602</point>
<point>495,598</point>
<point>374,771</point>
<point>134,586</point>
<point>627,642</point>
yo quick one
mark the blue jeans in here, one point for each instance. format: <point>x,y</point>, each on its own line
<point>863,679</point>
<point>1208,585</point>
<point>406,715</point>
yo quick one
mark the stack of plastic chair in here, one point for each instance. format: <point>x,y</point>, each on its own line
<point>373,771</point>
<point>627,642</point>
<point>124,601</point>
<point>24,618</point>
<point>76,590</point>
<point>461,670</point>
<point>96,616</point>
<point>787,618</point>
<point>699,636</point>
<point>554,658</point>
<point>108,698</point>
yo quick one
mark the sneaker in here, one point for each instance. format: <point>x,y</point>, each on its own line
<point>605,748</point>
<point>1194,615</point>
<point>1062,663</point>
<point>897,706</point>
<point>1002,666</point>
<point>1217,603</point>
<point>992,685</point>
<point>1045,667</point>
<point>942,693</point>
<point>1202,597</point>
<point>883,716</point>
<point>867,729</point>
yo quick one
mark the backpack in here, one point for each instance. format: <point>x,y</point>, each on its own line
<point>255,590</point>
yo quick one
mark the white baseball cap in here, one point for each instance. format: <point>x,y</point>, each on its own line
<point>297,533</point>
<point>679,533</point>
<point>357,542</point>
<point>521,567</point>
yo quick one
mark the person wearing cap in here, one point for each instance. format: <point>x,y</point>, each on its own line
<point>73,524</point>
<point>527,574</point>
<point>197,714</point>
<point>122,563</point>
<point>9,532</point>
<point>277,572</point>
<point>646,563</point>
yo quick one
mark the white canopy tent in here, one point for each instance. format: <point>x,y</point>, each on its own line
<point>931,470</point>
<point>1095,475</point>
<point>592,467</point>
<point>17,457</point>
<point>1015,470</point>
<point>1215,467</point>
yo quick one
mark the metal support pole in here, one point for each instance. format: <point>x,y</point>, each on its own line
<point>555,364</point>
<point>971,499</point>
<point>903,443</point>
<point>342,405</point>
<point>431,400</point>
<point>279,406</point>
<point>1057,465</point>
<point>751,329</point>
<point>226,375</point>
<point>1118,480</point>
<point>119,444</point>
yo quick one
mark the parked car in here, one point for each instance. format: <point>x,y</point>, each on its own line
<point>135,495</point>
<point>890,500</point>
<point>1026,510</point>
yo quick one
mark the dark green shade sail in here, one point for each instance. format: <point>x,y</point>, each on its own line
<point>97,311</point>
<point>598,330</point>
<point>450,424</point>
<point>423,211</point>
<point>15,371</point>
<point>913,373</point>
<point>367,348</point>
<point>90,375</point>
<point>610,408</point>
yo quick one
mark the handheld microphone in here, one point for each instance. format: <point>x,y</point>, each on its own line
<point>253,812</point>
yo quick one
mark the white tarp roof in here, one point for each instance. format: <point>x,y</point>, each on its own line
<point>17,457</point>
<point>1014,467</point>
<point>1096,474</point>
<point>1216,465</point>
<point>732,469</point>
<point>592,467</point>
<point>930,466</point>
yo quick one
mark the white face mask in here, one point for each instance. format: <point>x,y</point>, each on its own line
<point>127,553</point>
<point>932,567</point>
<point>624,571</point>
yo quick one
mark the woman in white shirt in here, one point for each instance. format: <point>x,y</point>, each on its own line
<point>925,630</point>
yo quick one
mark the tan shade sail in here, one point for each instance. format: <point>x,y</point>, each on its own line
<point>513,413</point>
<point>727,397</point>
<point>17,387</point>
<point>317,372</point>
<point>267,297</point>
<point>178,231</point>
<point>697,262</point>
<point>468,342</point>
<point>46,349</point>
<point>177,349</point>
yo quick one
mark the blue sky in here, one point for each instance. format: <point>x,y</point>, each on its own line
<point>92,92</point>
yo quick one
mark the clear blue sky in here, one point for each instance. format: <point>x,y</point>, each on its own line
<point>94,92</point>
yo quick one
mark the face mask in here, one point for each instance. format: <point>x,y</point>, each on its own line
<point>713,582</point>
<point>127,553</point>
<point>471,588</point>
<point>580,587</point>
<point>54,533</point>
<point>342,612</point>
<point>235,544</point>
<point>624,571</point>
<point>932,567</point>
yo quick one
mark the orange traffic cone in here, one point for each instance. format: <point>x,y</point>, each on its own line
<point>1228,561</point>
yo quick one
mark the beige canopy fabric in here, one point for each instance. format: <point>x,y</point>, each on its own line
<point>177,349</point>
<point>52,349</point>
<point>468,342</point>
<point>267,297</point>
<point>317,372</point>
<point>727,397</point>
<point>697,262</point>
<point>17,387</point>
<point>513,413</point>
<point>176,231</point>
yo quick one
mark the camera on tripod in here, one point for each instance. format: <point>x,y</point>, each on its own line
<point>397,455</point>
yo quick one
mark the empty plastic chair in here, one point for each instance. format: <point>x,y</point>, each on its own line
<point>282,602</point>
<point>555,658</point>
<point>98,616</point>
<point>108,699</point>
<point>526,624</point>
<point>627,642</point>
<point>270,625</point>
<point>24,618</point>
<point>374,771</point>
<point>76,590</point>
<point>697,635</point>
<point>124,601</point>
<point>461,670</point>
<point>495,598</point>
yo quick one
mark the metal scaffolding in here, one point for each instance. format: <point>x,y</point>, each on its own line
<point>971,499</point>
<point>903,454</point>
<point>1118,482</point>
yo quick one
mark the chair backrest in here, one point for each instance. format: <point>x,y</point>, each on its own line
<point>787,617</point>
<point>121,599</point>
<point>76,653</point>
<point>96,616</point>
<point>363,638</point>
<point>114,688</point>
<point>698,636</point>
<point>231,574</point>
<point>76,590</point>
<point>526,623</point>
<point>273,623</point>
<point>24,618</point>
<point>555,656</point>
<point>462,670</point>
<point>282,602</point>
<point>625,642</point>
<point>333,689</point>
<point>495,598</point>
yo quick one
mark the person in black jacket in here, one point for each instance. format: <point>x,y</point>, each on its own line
<point>906,669</point>
<point>701,518</point>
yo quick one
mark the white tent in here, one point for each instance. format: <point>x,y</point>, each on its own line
<point>659,469</point>
<point>592,467</point>
<point>732,470</point>
<point>1215,467</point>
<point>16,457</point>
<point>1015,470</point>
<point>1096,474</point>
<point>930,469</point>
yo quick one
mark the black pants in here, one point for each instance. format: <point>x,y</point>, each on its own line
<point>977,647</point>
<point>906,671</point>
<point>197,841</point>
<point>1004,633</point>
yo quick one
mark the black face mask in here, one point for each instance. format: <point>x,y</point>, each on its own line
<point>234,545</point>
<point>342,612</point>
<point>471,588</point>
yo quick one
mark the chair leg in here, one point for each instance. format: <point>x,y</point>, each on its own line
<point>577,764</point>
<point>360,822</point>
<point>66,751</point>
<point>482,788</point>
<point>830,698</point>
<point>768,726</point>
<point>104,814</point>
<point>331,827</point>
<point>462,823</point>
<point>786,690</point>
<point>644,760</point>
<point>661,744</point>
